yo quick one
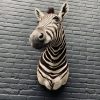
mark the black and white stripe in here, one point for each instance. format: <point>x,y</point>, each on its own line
<point>52,70</point>
<point>53,61</point>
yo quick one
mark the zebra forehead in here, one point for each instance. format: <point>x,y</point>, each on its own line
<point>50,15</point>
<point>47,19</point>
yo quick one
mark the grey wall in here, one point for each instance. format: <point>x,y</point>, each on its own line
<point>18,60</point>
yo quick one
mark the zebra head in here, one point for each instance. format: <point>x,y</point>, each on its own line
<point>48,26</point>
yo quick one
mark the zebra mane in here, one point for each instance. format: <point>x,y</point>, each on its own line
<point>50,10</point>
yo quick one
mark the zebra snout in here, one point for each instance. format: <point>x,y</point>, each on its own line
<point>41,36</point>
<point>37,41</point>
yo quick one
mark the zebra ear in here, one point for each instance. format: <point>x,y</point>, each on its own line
<point>39,14</point>
<point>64,10</point>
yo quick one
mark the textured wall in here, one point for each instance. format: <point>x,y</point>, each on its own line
<point>18,60</point>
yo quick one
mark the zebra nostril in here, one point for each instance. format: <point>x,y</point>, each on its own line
<point>41,36</point>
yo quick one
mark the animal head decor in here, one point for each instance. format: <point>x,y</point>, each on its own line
<point>53,69</point>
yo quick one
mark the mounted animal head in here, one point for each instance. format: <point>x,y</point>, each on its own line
<point>48,26</point>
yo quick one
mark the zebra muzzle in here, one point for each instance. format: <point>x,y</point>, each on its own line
<point>41,37</point>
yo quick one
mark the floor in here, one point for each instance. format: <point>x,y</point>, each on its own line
<point>18,59</point>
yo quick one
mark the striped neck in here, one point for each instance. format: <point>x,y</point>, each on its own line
<point>58,38</point>
<point>55,54</point>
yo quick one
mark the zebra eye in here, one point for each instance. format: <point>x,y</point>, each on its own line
<point>56,18</point>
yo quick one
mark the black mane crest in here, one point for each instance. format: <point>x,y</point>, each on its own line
<point>50,10</point>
